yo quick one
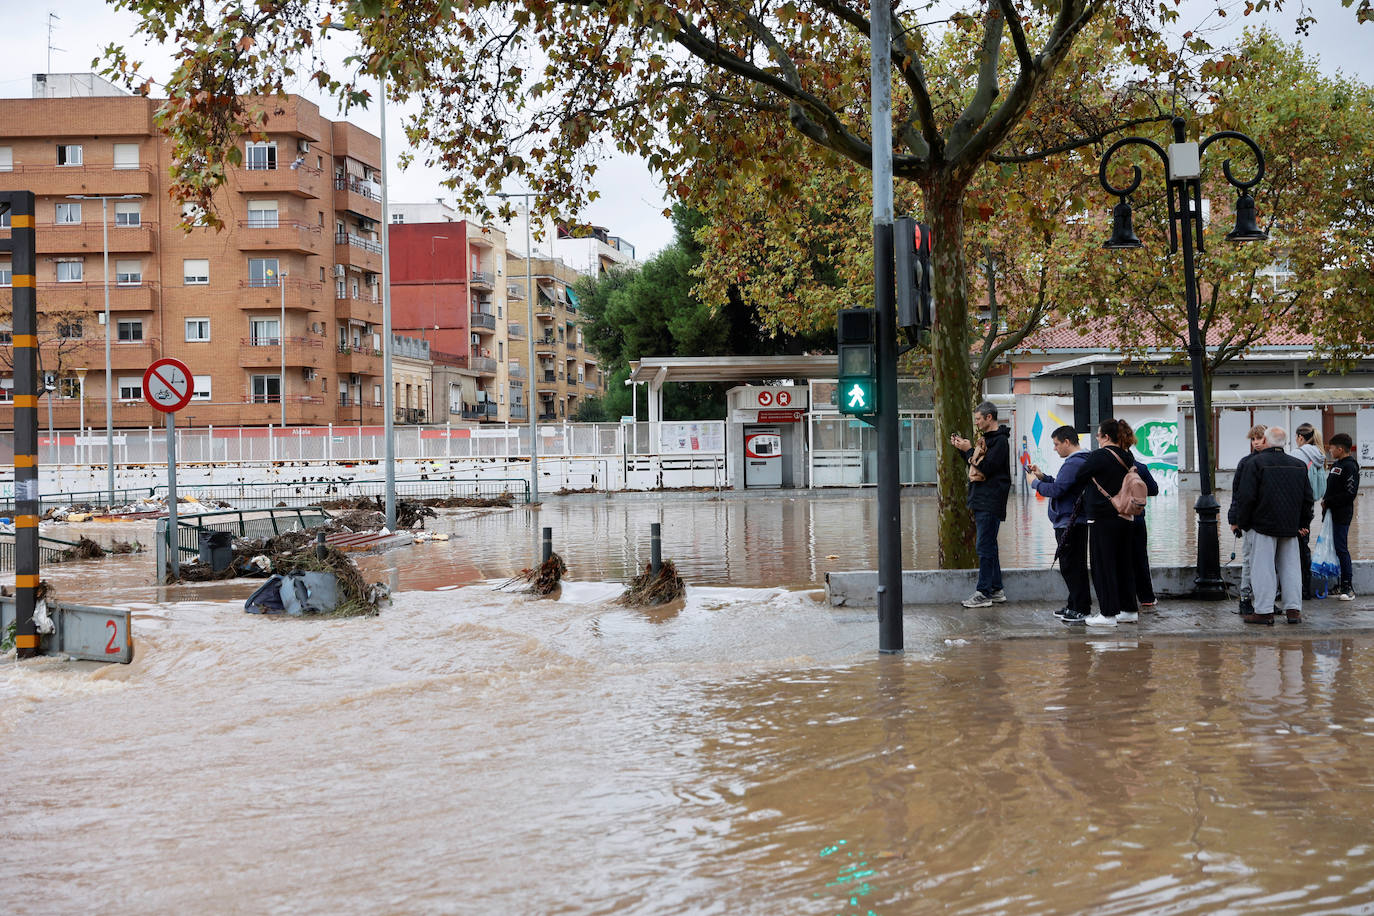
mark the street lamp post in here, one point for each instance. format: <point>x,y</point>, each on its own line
<point>281,339</point>
<point>81,431</point>
<point>1183,174</point>
<point>109,372</point>
<point>529,307</point>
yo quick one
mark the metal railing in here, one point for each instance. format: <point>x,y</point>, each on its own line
<point>48,501</point>
<point>246,523</point>
<point>483,320</point>
<point>255,498</point>
<point>50,550</point>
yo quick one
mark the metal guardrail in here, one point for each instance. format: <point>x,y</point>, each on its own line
<point>259,496</point>
<point>48,501</point>
<point>246,523</point>
<point>50,550</point>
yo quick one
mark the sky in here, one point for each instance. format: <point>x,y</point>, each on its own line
<point>632,203</point>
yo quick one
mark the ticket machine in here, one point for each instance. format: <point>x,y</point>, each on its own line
<point>762,456</point>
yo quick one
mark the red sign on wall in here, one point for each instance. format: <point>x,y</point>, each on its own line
<point>781,416</point>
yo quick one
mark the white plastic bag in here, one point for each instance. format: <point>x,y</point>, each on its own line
<point>1326,567</point>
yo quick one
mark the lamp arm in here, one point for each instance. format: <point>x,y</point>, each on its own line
<point>1226,165</point>
<point>1135,169</point>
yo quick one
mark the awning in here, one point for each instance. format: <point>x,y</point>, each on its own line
<point>572,297</point>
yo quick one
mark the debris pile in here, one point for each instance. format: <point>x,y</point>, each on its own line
<point>356,597</point>
<point>147,507</point>
<point>85,549</point>
<point>370,512</point>
<point>544,579</point>
<point>647,590</point>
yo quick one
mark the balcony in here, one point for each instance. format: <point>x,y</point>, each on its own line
<point>124,354</point>
<point>358,360</point>
<point>483,323</point>
<point>545,344</point>
<point>352,411</point>
<point>515,331</point>
<point>302,181</point>
<point>514,291</point>
<point>361,197</point>
<point>299,295</point>
<point>481,361</point>
<point>286,235</point>
<point>79,179</point>
<point>87,238</point>
<point>411,415</point>
<point>516,372</point>
<point>358,251</point>
<point>267,352</point>
<point>482,279</point>
<point>90,296</point>
<point>519,412</point>
<point>358,308</point>
<point>484,410</point>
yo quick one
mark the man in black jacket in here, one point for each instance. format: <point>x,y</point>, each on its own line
<point>1342,486</point>
<point>989,483</point>
<point>1273,503</point>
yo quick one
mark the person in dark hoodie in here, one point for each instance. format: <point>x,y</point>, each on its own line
<point>1140,534</point>
<point>1342,487</point>
<point>989,474</point>
<point>1273,503</point>
<point>1111,538</point>
<point>1070,526</point>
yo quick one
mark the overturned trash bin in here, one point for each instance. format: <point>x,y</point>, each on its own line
<point>217,549</point>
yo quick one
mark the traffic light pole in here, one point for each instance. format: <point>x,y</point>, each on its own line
<point>885,302</point>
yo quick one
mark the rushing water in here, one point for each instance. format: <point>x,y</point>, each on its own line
<point>743,751</point>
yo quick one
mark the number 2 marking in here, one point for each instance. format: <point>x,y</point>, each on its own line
<point>110,647</point>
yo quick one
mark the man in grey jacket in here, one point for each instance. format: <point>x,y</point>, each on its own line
<point>1273,503</point>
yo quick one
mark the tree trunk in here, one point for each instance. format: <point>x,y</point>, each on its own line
<point>952,371</point>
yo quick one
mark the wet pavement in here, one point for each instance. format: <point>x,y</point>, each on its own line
<point>743,751</point>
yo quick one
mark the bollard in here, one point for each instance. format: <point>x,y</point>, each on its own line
<point>321,550</point>
<point>548,546</point>
<point>655,548</point>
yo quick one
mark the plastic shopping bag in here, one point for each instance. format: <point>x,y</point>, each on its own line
<point>1326,568</point>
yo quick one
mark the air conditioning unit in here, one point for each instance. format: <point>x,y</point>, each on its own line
<point>309,374</point>
<point>338,270</point>
<point>302,146</point>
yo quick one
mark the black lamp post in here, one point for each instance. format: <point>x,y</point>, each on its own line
<point>1183,173</point>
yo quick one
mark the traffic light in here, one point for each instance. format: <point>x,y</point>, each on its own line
<point>858,349</point>
<point>912,255</point>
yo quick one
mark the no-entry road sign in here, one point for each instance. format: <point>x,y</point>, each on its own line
<point>167,385</point>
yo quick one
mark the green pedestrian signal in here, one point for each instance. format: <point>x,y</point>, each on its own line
<point>857,391</point>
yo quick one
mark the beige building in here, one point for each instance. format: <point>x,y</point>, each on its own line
<point>565,371</point>
<point>293,278</point>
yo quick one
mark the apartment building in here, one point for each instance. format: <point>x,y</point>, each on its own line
<point>448,288</point>
<point>277,313</point>
<point>565,371</point>
<point>591,250</point>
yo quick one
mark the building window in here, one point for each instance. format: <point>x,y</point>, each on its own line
<point>6,273</point>
<point>398,218</point>
<point>68,154</point>
<point>197,329</point>
<point>130,387</point>
<point>262,271</point>
<point>69,387</point>
<point>265,332</point>
<point>266,389</point>
<point>201,389</point>
<point>126,155</point>
<point>6,158</point>
<point>127,213</point>
<point>69,271</point>
<point>128,273</point>
<point>68,214</point>
<point>4,217</point>
<point>130,330</point>
<point>260,157</point>
<point>69,329</point>
<point>500,351</point>
<point>195,271</point>
<point>262,214</point>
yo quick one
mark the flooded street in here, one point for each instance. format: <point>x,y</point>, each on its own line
<point>746,751</point>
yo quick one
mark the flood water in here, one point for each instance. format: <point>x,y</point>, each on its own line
<point>745,751</point>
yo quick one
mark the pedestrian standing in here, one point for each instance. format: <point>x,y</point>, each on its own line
<point>1247,604</point>
<point>1342,488</point>
<point>989,474</point>
<point>1110,538</point>
<point>1064,490</point>
<point>1309,451</point>
<point>1140,535</point>
<point>1273,504</point>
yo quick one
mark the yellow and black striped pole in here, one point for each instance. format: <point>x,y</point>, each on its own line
<point>25,331</point>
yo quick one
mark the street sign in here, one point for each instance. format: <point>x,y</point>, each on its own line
<point>167,385</point>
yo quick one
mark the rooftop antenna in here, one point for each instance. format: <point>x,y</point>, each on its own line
<point>51,17</point>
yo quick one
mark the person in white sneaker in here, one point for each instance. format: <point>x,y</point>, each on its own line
<point>989,474</point>
<point>1342,488</point>
<point>1273,504</point>
<point>1110,537</point>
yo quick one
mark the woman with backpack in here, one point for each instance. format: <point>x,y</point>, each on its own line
<point>1310,451</point>
<point>1111,536</point>
<point>1140,535</point>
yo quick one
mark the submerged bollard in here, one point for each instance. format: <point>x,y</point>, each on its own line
<point>548,546</point>
<point>321,550</point>
<point>655,548</point>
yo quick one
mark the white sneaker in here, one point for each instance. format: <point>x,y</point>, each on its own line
<point>1099,620</point>
<point>1128,617</point>
<point>1347,594</point>
<point>977,599</point>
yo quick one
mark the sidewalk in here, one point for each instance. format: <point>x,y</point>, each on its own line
<point>1172,618</point>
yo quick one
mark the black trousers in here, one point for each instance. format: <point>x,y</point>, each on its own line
<point>1305,558</point>
<point>1073,566</point>
<point>1111,547</point>
<point>1140,560</point>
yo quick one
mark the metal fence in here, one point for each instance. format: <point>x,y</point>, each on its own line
<point>246,523</point>
<point>48,501</point>
<point>277,495</point>
<point>50,550</point>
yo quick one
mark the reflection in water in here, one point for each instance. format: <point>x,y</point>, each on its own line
<point>744,752</point>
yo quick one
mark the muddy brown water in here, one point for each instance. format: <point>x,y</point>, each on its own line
<point>745,751</point>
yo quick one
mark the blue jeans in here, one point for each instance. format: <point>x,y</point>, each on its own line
<point>989,561</point>
<point>1339,539</point>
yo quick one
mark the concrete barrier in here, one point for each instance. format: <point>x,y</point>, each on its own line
<point>859,588</point>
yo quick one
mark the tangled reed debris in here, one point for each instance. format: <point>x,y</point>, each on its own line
<point>647,590</point>
<point>544,579</point>
<point>85,549</point>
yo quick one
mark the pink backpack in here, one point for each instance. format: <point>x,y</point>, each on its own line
<point>1129,501</point>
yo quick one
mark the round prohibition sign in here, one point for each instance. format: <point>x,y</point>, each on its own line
<point>167,384</point>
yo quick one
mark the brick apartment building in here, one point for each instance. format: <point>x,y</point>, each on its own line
<point>301,238</point>
<point>565,371</point>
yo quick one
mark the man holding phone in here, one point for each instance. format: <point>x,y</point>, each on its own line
<point>989,474</point>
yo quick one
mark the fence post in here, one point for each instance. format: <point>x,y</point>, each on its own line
<point>329,445</point>
<point>448,440</point>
